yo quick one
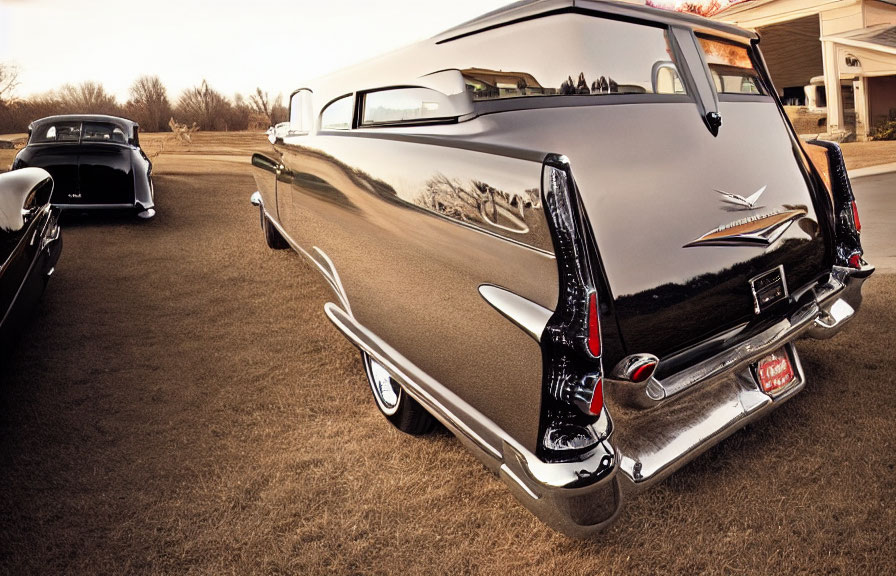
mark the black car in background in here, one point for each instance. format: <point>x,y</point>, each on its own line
<point>95,160</point>
<point>30,244</point>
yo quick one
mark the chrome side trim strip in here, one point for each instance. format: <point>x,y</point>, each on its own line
<point>529,316</point>
<point>327,269</point>
<point>333,277</point>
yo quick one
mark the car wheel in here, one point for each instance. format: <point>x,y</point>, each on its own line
<point>272,236</point>
<point>401,410</point>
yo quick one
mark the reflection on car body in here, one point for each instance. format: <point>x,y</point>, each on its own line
<point>582,235</point>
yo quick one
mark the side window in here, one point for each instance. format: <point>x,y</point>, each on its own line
<point>404,105</point>
<point>731,68</point>
<point>338,114</point>
<point>300,112</point>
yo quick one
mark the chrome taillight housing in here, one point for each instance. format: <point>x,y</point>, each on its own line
<point>574,418</point>
<point>827,158</point>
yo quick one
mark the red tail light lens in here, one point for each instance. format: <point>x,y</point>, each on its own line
<point>593,327</point>
<point>855,216</point>
<point>597,401</point>
<point>643,372</point>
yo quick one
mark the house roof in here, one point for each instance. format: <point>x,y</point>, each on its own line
<point>884,35</point>
<point>748,5</point>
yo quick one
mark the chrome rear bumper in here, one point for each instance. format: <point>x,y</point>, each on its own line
<point>663,424</point>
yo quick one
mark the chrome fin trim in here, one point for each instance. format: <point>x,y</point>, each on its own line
<point>530,317</point>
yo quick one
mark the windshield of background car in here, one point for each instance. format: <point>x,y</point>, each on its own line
<point>731,67</point>
<point>569,54</point>
<point>57,132</point>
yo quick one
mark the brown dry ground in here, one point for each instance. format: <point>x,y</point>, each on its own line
<point>179,404</point>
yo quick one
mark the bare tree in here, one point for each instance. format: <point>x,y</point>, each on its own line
<point>204,106</point>
<point>88,98</point>
<point>279,112</point>
<point>261,104</point>
<point>149,104</point>
<point>9,79</point>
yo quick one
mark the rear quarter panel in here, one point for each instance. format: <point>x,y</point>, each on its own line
<point>413,230</point>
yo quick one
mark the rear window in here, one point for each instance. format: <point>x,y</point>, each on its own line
<point>569,55</point>
<point>95,132</point>
<point>57,132</point>
<point>731,67</point>
<point>78,132</point>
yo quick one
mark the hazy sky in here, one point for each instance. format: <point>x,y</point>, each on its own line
<point>235,45</point>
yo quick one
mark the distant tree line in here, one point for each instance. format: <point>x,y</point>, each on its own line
<point>148,105</point>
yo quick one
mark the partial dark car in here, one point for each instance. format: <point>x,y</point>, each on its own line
<point>583,235</point>
<point>95,160</point>
<point>30,244</point>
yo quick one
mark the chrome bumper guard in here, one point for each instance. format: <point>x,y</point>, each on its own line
<point>577,498</point>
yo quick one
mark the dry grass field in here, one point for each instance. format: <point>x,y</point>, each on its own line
<point>180,405</point>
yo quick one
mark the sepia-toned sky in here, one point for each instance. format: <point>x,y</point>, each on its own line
<point>235,45</point>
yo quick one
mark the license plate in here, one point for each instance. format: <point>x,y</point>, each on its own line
<point>775,372</point>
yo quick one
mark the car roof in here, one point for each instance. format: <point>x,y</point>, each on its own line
<point>126,125</point>
<point>527,9</point>
<point>427,56</point>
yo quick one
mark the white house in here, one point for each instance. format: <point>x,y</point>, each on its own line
<point>846,46</point>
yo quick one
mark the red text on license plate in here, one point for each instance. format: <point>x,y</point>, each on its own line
<point>775,372</point>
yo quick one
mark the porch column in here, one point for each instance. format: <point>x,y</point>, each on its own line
<point>863,124</point>
<point>832,87</point>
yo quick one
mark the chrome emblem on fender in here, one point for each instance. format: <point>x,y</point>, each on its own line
<point>748,203</point>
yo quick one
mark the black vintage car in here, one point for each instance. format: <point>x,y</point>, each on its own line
<point>581,234</point>
<point>95,160</point>
<point>30,243</point>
